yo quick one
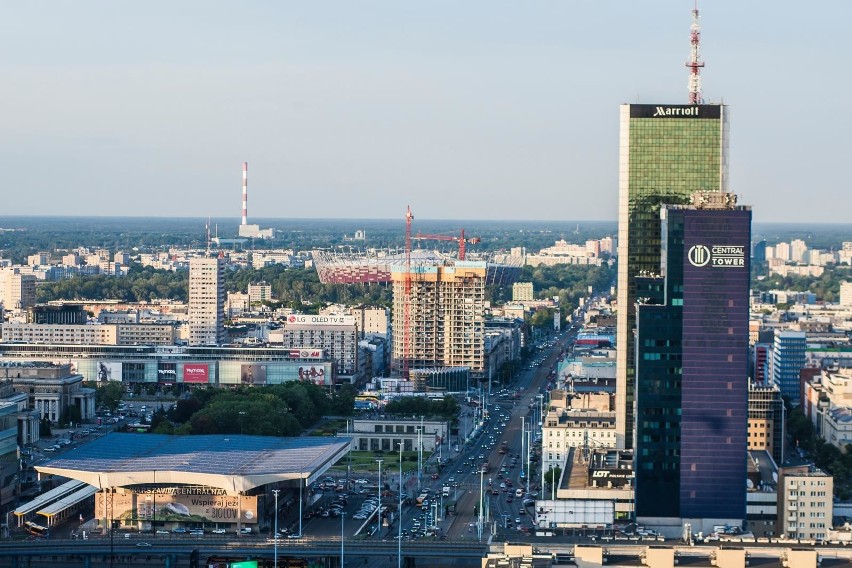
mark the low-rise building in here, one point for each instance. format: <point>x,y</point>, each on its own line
<point>386,434</point>
<point>827,401</point>
<point>565,427</point>
<point>86,334</point>
<point>762,494</point>
<point>594,490</point>
<point>53,389</point>
<point>805,502</point>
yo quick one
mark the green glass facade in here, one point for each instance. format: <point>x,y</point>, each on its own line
<point>667,152</point>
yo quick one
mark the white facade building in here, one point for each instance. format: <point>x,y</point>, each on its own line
<point>806,504</point>
<point>17,289</point>
<point>206,301</point>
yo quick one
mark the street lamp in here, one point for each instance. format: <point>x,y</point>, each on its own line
<point>420,455</point>
<point>342,514</point>
<point>379,511</point>
<point>275,492</point>
<point>301,483</point>
<point>399,514</point>
<point>479,523</point>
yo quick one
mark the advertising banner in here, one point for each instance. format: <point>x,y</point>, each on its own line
<point>253,374</point>
<point>196,373</point>
<point>167,373</point>
<point>314,374</point>
<point>303,319</point>
<point>109,371</point>
<point>163,504</point>
<point>306,353</point>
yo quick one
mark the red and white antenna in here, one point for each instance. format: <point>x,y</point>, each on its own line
<point>694,63</point>
<point>245,193</point>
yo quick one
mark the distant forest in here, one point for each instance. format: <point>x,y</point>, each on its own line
<point>23,236</point>
<point>301,289</point>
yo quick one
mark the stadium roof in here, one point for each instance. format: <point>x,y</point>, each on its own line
<point>233,463</point>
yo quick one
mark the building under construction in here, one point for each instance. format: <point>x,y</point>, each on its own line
<point>445,316</point>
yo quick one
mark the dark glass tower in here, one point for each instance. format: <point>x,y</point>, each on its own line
<point>666,152</point>
<point>692,365</point>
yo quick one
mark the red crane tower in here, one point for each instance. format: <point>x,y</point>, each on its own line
<point>461,240</point>
<point>406,330</point>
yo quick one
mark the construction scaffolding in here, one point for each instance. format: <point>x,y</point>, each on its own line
<point>445,326</point>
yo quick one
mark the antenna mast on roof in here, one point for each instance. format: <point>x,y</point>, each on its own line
<point>694,63</point>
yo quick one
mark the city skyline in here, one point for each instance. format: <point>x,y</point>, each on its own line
<point>343,112</point>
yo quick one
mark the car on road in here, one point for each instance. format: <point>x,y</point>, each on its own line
<point>143,544</point>
<point>294,535</point>
<point>361,481</point>
<point>360,516</point>
<point>179,530</point>
<point>161,531</point>
<point>218,531</point>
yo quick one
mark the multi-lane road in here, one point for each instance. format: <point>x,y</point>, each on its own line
<point>507,415</point>
<point>506,412</point>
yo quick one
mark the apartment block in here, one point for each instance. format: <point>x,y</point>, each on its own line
<point>805,502</point>
<point>206,301</point>
<point>439,316</point>
<point>17,289</point>
<point>522,292</point>
<point>260,292</point>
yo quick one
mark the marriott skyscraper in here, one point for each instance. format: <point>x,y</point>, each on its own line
<point>666,152</point>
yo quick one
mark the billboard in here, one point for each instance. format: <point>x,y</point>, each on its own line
<point>306,353</point>
<point>676,111</point>
<point>303,319</point>
<point>167,372</point>
<point>109,371</point>
<point>253,374</point>
<point>173,504</point>
<point>196,373</point>
<point>314,374</point>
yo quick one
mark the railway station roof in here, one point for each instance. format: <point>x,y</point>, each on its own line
<point>233,463</point>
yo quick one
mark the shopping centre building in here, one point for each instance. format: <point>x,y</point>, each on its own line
<point>150,482</point>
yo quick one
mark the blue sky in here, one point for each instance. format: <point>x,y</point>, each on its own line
<point>464,110</point>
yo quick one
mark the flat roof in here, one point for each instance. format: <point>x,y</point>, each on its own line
<point>233,463</point>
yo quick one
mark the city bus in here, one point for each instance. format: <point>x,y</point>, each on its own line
<point>37,530</point>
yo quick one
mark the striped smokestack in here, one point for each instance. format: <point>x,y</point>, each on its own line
<point>245,193</point>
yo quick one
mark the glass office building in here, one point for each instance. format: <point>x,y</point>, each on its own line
<point>692,366</point>
<point>666,152</point>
